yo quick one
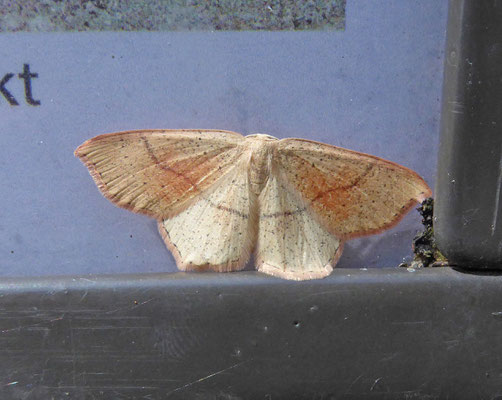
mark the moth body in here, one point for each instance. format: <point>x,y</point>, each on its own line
<point>260,148</point>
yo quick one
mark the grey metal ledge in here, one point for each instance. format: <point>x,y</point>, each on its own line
<point>380,333</point>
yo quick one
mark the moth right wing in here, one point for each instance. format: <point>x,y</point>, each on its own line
<point>352,194</point>
<point>292,244</point>
<point>159,172</point>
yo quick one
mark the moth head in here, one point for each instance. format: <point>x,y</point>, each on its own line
<point>261,136</point>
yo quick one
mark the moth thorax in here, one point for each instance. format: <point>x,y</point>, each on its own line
<point>259,167</point>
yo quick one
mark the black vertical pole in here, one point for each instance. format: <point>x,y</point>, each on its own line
<point>468,213</point>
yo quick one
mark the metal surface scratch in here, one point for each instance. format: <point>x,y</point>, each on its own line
<point>84,296</point>
<point>374,383</point>
<point>17,328</point>
<point>129,307</point>
<point>456,107</point>
<point>497,198</point>
<point>353,383</point>
<point>325,292</point>
<point>206,377</point>
<point>73,356</point>
<point>419,322</point>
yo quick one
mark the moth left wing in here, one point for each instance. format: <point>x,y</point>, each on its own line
<point>159,172</point>
<point>352,194</point>
<point>218,231</point>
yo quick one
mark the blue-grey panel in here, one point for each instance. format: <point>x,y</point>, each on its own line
<point>374,87</point>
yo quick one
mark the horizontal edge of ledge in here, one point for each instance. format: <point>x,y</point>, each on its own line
<point>339,277</point>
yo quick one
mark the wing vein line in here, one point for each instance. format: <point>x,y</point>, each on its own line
<point>340,188</point>
<point>165,167</point>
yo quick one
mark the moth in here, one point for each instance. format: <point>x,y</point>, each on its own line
<point>219,197</point>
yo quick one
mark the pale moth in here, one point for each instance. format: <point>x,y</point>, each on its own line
<point>219,196</point>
